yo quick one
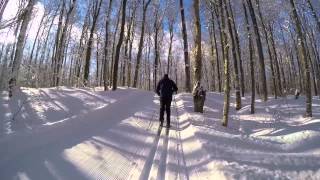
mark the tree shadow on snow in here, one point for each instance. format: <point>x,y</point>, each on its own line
<point>94,146</point>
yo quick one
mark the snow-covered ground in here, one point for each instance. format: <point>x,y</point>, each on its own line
<point>72,133</point>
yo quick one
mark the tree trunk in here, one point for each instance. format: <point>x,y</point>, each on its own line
<point>96,11</point>
<point>269,50</point>
<point>61,46</point>
<point>98,64</point>
<point>197,43</point>
<point>218,15</point>
<point>304,59</point>
<point>225,46</point>
<point>236,36</point>
<point>156,26</point>
<point>235,61</point>
<point>251,51</point>
<point>57,47</point>
<point>170,47</point>
<point>315,51</point>
<point>217,52</point>
<point>136,72</point>
<point>34,42</point>
<point>213,53</point>
<point>129,42</point>
<point>186,51</point>
<point>114,44</point>
<point>20,44</point>
<point>276,60</point>
<point>4,65</point>
<point>197,73</point>
<point>260,51</point>
<point>116,60</point>
<point>105,65</point>
<point>297,57</point>
<point>130,56</point>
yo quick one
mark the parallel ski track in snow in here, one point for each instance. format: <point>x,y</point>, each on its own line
<point>88,145</point>
<point>176,157</point>
<point>166,159</point>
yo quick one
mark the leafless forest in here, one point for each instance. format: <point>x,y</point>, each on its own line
<point>254,48</point>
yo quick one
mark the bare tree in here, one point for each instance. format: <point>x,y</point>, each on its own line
<point>156,25</point>
<point>186,51</point>
<point>96,5</point>
<point>106,43</point>
<point>171,17</point>
<point>20,44</point>
<point>197,42</point>
<point>238,49</point>
<point>197,73</point>
<point>116,60</point>
<point>129,41</point>
<point>60,47</point>
<point>235,59</point>
<point>136,72</point>
<point>304,59</point>
<point>225,46</point>
<point>252,65</point>
<point>262,73</point>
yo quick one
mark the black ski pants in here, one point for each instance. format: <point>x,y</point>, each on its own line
<point>165,104</point>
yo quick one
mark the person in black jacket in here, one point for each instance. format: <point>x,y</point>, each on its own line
<point>165,89</point>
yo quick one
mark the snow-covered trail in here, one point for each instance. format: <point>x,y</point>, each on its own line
<point>111,142</point>
<point>72,133</point>
<point>120,139</point>
<point>166,160</point>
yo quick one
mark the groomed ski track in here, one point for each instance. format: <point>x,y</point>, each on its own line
<point>104,144</point>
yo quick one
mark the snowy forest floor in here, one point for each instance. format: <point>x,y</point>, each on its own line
<point>72,133</point>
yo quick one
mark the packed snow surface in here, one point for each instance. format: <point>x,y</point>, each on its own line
<point>74,133</point>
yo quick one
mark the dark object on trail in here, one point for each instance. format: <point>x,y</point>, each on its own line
<point>12,83</point>
<point>297,93</point>
<point>165,89</point>
<point>199,96</point>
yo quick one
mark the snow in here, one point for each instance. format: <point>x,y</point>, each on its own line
<point>73,133</point>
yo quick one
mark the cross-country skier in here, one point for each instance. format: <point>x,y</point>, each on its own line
<point>165,88</point>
